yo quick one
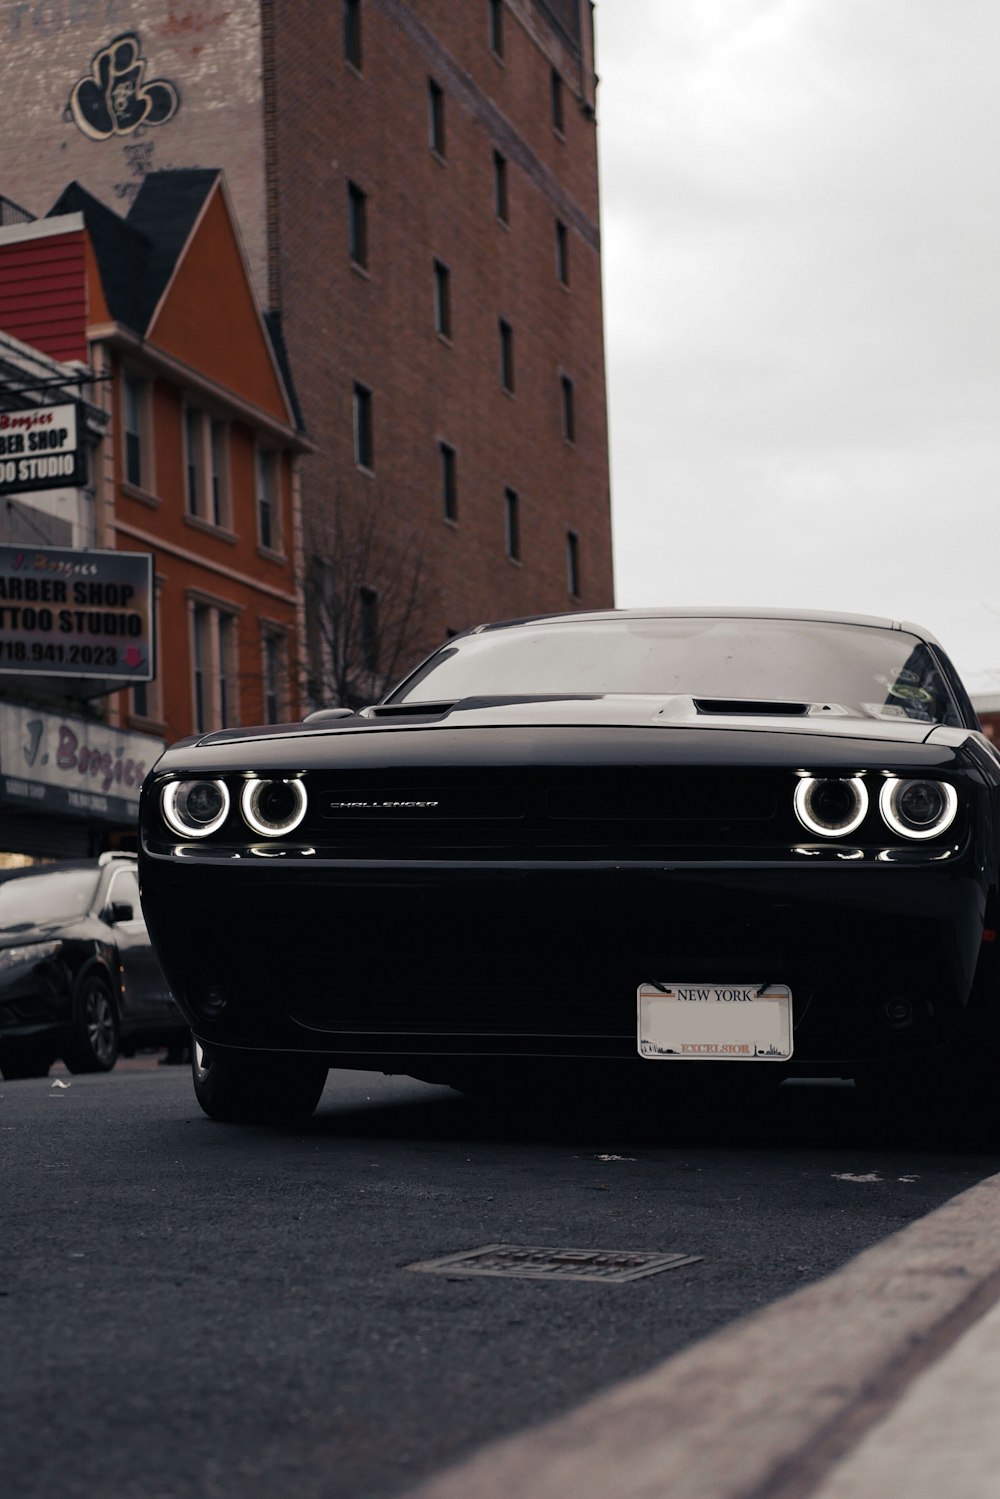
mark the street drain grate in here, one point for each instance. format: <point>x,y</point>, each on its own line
<point>534,1263</point>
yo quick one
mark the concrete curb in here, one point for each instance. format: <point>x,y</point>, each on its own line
<point>766,1407</point>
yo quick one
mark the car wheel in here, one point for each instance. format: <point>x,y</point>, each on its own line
<point>95,1041</point>
<point>25,1059</point>
<point>254,1087</point>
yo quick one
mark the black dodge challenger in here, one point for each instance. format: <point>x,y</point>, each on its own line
<point>683,845</point>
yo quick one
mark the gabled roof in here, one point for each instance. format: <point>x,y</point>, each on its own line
<point>140,256</point>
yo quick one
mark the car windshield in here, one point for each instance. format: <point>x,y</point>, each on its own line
<point>39,899</point>
<point>867,669</point>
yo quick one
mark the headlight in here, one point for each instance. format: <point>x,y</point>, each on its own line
<point>33,952</point>
<point>193,809</point>
<point>918,809</point>
<point>273,807</point>
<point>831,808</point>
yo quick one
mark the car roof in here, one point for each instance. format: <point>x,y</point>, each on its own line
<point>726,611</point>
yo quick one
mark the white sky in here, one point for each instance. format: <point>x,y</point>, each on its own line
<point>801,220</point>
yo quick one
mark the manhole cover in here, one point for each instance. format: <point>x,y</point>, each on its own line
<point>536,1263</point>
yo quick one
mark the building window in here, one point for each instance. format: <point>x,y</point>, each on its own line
<point>512,524</point>
<point>435,103</point>
<point>352,33</point>
<point>562,252</point>
<point>568,408</point>
<point>206,467</point>
<point>506,355</point>
<point>133,422</point>
<point>194,459</point>
<point>368,628</point>
<point>501,203</point>
<point>364,434</point>
<point>442,299</point>
<point>449,481</point>
<point>213,650</point>
<point>275,650</point>
<point>268,499</point>
<point>219,476</point>
<point>573,563</point>
<point>357,224</point>
<point>558,109</point>
<point>496,27</point>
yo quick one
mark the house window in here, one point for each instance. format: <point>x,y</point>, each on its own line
<point>352,33</point>
<point>219,472</point>
<point>364,435</point>
<point>506,355</point>
<point>501,204</point>
<point>368,627</point>
<point>512,524</point>
<point>194,459</point>
<point>268,507</point>
<point>133,404</point>
<point>275,648</point>
<point>442,299</point>
<point>568,408</point>
<point>573,563</point>
<point>357,224</point>
<point>449,481</point>
<point>206,467</point>
<point>496,27</point>
<point>213,649</point>
<point>435,104</point>
<point>562,252</point>
<point>558,110</point>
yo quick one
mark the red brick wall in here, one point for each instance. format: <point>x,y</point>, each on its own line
<point>332,124</point>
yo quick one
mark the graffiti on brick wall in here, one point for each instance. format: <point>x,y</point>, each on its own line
<point>114,98</point>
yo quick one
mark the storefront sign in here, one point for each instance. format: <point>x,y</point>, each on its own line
<point>60,764</point>
<point>70,613</point>
<point>41,448</point>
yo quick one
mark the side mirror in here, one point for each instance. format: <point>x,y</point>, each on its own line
<point>328,715</point>
<point>119,910</point>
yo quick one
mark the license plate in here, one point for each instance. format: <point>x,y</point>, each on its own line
<point>715,1022</point>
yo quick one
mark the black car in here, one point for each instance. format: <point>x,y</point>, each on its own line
<point>78,976</point>
<point>689,845</point>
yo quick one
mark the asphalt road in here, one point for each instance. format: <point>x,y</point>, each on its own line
<point>191,1309</point>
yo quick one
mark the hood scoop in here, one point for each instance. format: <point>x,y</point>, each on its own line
<point>733,707</point>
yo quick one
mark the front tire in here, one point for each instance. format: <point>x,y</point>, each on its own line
<point>96,1039</point>
<point>25,1059</point>
<point>256,1087</point>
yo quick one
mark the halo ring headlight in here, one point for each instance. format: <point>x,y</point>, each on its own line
<point>831,807</point>
<point>273,807</point>
<point>918,808</point>
<point>194,809</point>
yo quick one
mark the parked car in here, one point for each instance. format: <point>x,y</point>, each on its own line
<point>682,844</point>
<point>78,976</point>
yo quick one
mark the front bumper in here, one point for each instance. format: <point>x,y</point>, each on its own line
<point>396,964</point>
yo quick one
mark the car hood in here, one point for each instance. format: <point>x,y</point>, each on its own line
<point>632,727</point>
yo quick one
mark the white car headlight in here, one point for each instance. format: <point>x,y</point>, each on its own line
<point>193,809</point>
<point>272,808</point>
<point>31,952</point>
<point>832,808</point>
<point>918,808</point>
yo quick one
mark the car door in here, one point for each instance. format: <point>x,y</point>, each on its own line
<point>144,998</point>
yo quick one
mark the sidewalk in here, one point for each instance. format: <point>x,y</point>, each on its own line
<point>882,1380</point>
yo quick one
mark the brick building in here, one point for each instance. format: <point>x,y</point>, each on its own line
<point>416,182</point>
<point>193,445</point>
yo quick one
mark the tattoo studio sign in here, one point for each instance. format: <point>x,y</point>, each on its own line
<point>70,613</point>
<point>41,449</point>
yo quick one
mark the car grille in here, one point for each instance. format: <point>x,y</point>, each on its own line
<point>564,812</point>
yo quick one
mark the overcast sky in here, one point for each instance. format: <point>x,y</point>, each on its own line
<point>801,218</point>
